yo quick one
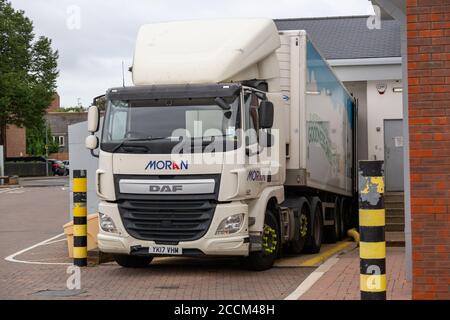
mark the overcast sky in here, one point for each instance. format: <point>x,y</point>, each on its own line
<point>94,37</point>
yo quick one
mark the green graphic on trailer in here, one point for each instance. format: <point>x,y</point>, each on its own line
<point>327,84</point>
<point>318,133</point>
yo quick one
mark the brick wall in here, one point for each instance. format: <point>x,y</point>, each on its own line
<point>59,156</point>
<point>15,142</point>
<point>429,126</point>
<point>55,103</point>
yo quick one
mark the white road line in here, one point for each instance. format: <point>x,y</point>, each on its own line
<point>312,279</point>
<point>59,240</point>
<point>11,258</point>
<point>16,191</point>
<point>11,190</point>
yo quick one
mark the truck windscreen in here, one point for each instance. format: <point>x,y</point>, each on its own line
<point>154,125</point>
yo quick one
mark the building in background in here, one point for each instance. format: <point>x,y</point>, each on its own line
<point>56,104</point>
<point>16,138</point>
<point>59,122</point>
<point>16,144</point>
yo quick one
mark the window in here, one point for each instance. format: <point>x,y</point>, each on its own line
<point>163,122</point>
<point>61,141</point>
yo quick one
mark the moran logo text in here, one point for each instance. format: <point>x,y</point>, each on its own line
<point>166,165</point>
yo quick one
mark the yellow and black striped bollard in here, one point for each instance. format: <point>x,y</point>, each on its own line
<point>372,230</point>
<point>79,189</point>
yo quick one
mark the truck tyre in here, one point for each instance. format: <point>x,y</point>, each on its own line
<point>304,226</point>
<point>315,240</point>
<point>333,233</point>
<point>264,259</point>
<point>128,261</point>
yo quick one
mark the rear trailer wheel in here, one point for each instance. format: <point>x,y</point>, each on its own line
<point>315,240</point>
<point>304,222</point>
<point>128,261</point>
<point>264,259</point>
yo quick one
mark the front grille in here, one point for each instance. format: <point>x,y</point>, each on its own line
<point>167,222</point>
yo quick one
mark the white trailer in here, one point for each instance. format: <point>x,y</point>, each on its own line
<point>236,140</point>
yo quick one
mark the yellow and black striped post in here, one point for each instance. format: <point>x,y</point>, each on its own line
<point>372,246</point>
<point>79,189</point>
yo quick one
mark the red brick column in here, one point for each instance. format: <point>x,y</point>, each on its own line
<point>429,127</point>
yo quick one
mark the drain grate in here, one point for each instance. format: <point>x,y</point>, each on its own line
<point>59,293</point>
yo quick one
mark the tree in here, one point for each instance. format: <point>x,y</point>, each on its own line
<point>71,109</point>
<point>37,141</point>
<point>28,72</point>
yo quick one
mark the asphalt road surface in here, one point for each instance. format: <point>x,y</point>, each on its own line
<point>32,215</point>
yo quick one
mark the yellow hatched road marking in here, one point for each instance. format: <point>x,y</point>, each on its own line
<point>326,254</point>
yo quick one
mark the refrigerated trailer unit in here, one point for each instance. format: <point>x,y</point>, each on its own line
<point>236,140</point>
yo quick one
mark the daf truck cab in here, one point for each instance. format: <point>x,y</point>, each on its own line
<point>212,152</point>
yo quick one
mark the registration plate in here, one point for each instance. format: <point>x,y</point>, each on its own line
<point>171,250</point>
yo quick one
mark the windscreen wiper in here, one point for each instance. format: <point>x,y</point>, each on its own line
<point>211,139</point>
<point>121,144</point>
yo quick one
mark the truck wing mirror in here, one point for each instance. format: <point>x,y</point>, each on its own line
<point>91,142</point>
<point>93,119</point>
<point>266,115</point>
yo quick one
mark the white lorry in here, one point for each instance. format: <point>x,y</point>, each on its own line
<point>235,140</point>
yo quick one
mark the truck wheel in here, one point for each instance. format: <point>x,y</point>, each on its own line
<point>264,259</point>
<point>315,240</point>
<point>297,246</point>
<point>128,261</point>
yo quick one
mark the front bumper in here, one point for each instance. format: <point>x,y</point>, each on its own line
<point>236,244</point>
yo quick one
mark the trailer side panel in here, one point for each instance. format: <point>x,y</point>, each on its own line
<point>329,124</point>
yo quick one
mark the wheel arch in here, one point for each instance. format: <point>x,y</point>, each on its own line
<point>297,202</point>
<point>270,197</point>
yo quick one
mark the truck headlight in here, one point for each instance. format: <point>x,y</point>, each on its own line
<point>106,223</point>
<point>231,224</point>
